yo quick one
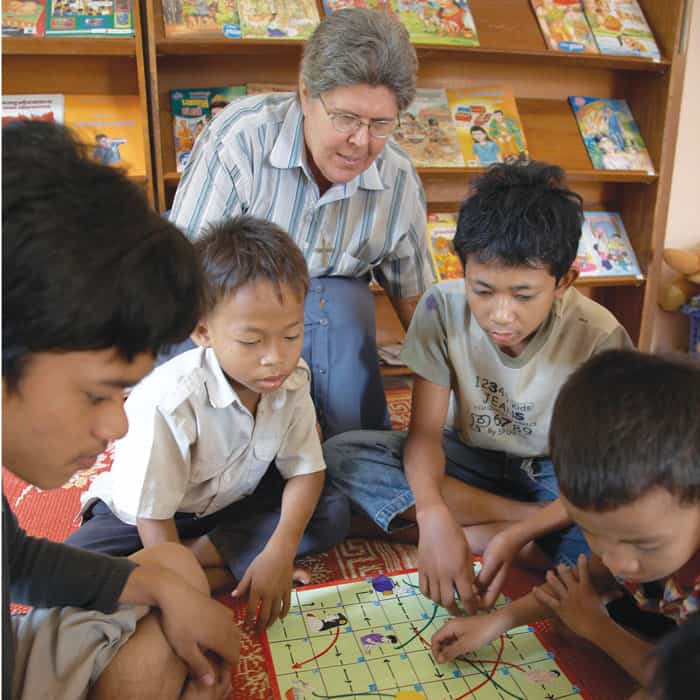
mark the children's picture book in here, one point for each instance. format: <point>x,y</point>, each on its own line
<point>448,22</point>
<point>23,17</point>
<point>426,131</point>
<point>619,27</point>
<point>488,125</point>
<point>441,233</point>
<point>201,18</point>
<point>89,18</point>
<point>564,25</point>
<point>370,638</point>
<point>43,108</point>
<point>611,134</point>
<point>110,125</point>
<point>605,249</point>
<point>192,109</point>
<point>278,19</point>
<point>390,6</point>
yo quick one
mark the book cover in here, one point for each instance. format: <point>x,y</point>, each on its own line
<point>202,18</point>
<point>611,134</point>
<point>427,133</point>
<point>110,125</point>
<point>441,233</point>
<point>23,17</point>
<point>192,108</point>
<point>89,18</point>
<point>278,19</point>
<point>45,108</point>
<point>605,249</point>
<point>619,27</point>
<point>488,125</point>
<point>447,22</point>
<point>386,5</point>
<point>564,25</point>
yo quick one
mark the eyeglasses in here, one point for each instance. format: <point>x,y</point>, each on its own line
<point>350,123</point>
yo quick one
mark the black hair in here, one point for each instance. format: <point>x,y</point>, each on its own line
<point>476,127</point>
<point>86,264</point>
<point>244,250</point>
<point>626,422</point>
<point>677,659</point>
<point>521,214</point>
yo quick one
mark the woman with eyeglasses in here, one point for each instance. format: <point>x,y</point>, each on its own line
<point>320,163</point>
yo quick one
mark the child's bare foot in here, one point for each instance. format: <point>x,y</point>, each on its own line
<point>301,577</point>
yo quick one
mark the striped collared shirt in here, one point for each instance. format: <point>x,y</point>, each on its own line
<point>251,160</point>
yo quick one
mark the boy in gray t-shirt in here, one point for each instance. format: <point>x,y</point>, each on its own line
<point>489,354</point>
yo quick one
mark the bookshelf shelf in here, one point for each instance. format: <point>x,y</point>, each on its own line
<point>512,51</point>
<point>82,65</point>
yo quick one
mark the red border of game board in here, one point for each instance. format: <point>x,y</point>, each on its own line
<point>274,685</point>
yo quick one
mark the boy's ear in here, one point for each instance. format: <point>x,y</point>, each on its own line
<point>565,282</point>
<point>200,334</point>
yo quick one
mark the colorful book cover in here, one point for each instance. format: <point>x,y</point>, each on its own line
<point>488,125</point>
<point>110,125</point>
<point>44,108</point>
<point>611,134</point>
<point>89,18</point>
<point>278,19</point>
<point>619,27</point>
<point>441,233</point>
<point>202,18</point>
<point>605,249</point>
<point>23,17</point>
<point>564,25</point>
<point>427,133</point>
<point>192,108</point>
<point>386,5</point>
<point>448,22</point>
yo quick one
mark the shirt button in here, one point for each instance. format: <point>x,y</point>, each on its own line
<point>322,370</point>
<point>324,322</point>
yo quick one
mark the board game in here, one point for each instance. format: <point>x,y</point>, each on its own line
<point>370,638</point>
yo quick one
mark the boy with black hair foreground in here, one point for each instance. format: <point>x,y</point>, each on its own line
<point>223,452</point>
<point>625,441</point>
<point>489,353</point>
<point>94,284</point>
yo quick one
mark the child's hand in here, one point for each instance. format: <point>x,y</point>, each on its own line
<point>445,561</point>
<point>462,635</point>
<point>495,562</point>
<point>268,580</point>
<point>570,595</point>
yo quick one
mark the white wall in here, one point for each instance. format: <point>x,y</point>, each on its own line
<point>670,331</point>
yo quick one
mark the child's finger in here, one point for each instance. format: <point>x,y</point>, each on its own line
<point>264,614</point>
<point>555,583</point>
<point>286,603</point>
<point>584,575</point>
<point>243,585</point>
<point>253,605</point>
<point>568,575</point>
<point>545,598</point>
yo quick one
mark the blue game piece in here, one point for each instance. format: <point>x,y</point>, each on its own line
<point>382,584</point>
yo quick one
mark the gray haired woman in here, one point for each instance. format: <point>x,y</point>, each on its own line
<point>320,164</point>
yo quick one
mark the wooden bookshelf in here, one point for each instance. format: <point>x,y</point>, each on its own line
<point>512,51</point>
<point>83,65</point>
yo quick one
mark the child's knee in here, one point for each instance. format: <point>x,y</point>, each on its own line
<point>179,559</point>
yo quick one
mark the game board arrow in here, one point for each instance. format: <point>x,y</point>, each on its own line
<point>391,670</point>
<point>291,656</point>
<point>347,678</point>
<point>299,664</point>
<point>338,652</point>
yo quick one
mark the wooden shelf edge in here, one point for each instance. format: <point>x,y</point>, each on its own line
<point>69,46</point>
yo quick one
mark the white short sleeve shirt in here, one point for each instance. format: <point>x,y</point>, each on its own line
<point>193,447</point>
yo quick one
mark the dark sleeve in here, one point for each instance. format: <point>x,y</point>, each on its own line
<point>47,574</point>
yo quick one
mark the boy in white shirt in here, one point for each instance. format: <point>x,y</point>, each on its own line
<point>206,427</point>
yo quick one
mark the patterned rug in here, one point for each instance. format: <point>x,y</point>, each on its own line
<point>52,514</point>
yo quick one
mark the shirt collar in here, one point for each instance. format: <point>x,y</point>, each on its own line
<point>288,152</point>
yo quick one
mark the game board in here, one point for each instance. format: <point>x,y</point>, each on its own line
<point>370,637</point>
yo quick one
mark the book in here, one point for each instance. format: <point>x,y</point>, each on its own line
<point>619,27</point>
<point>202,18</point>
<point>390,6</point>
<point>448,22</point>
<point>89,18</point>
<point>426,131</point>
<point>441,233</point>
<point>110,125</point>
<point>611,134</point>
<point>605,249</point>
<point>45,108</point>
<point>278,19</point>
<point>192,109</point>
<point>261,88</point>
<point>488,125</point>
<point>564,25</point>
<point>23,17</point>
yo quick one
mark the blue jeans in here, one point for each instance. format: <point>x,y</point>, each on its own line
<point>367,466</point>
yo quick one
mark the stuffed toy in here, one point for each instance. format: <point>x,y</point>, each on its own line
<point>685,284</point>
